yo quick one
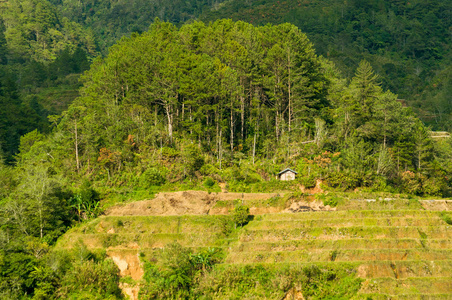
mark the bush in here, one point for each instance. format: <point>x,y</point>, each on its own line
<point>193,159</point>
<point>307,181</point>
<point>98,280</point>
<point>208,169</point>
<point>177,272</point>
<point>432,186</point>
<point>343,180</point>
<point>446,218</point>
<point>209,182</point>
<point>240,215</point>
<point>330,199</point>
<point>151,177</point>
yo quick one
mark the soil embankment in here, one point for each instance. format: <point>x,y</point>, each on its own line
<point>204,203</point>
<point>437,205</point>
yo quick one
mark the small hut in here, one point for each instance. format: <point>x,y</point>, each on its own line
<point>287,174</point>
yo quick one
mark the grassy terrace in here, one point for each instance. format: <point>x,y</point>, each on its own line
<point>399,253</point>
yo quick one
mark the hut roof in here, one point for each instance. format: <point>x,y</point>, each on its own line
<point>287,170</point>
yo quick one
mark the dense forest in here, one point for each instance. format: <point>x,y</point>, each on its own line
<point>48,44</point>
<point>407,43</point>
<point>189,105</point>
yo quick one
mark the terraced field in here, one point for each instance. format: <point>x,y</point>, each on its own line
<point>400,253</point>
<point>403,253</point>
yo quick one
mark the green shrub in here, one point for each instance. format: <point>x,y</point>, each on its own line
<point>86,202</point>
<point>151,177</point>
<point>432,186</point>
<point>209,182</point>
<point>99,280</point>
<point>240,215</point>
<point>328,199</point>
<point>307,181</point>
<point>192,158</point>
<point>343,180</point>
<point>169,152</point>
<point>176,272</point>
<point>446,217</point>
<point>208,169</point>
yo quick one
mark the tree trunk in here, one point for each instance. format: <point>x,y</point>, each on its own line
<point>242,113</point>
<point>290,91</point>
<point>254,146</point>
<point>76,148</point>
<point>219,147</point>
<point>232,127</point>
<point>169,115</point>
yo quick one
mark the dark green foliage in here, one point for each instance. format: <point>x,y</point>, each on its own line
<point>266,282</point>
<point>209,182</point>
<point>86,202</point>
<point>343,180</point>
<point>176,273</point>
<point>328,199</point>
<point>347,32</point>
<point>93,279</point>
<point>193,161</point>
<point>16,119</point>
<point>68,62</point>
<point>111,20</point>
<point>151,177</point>
<point>446,217</point>
<point>30,269</point>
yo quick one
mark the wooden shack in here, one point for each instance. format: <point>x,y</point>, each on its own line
<point>287,174</point>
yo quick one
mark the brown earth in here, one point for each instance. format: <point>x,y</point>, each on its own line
<point>127,262</point>
<point>437,205</point>
<point>294,294</point>
<point>130,290</point>
<point>302,206</point>
<point>129,265</point>
<point>182,203</point>
<point>202,203</point>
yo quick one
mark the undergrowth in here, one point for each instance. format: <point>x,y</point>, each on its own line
<point>179,273</point>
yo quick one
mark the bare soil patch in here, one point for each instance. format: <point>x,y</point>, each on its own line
<point>437,205</point>
<point>128,263</point>
<point>182,203</point>
<point>303,206</point>
<point>202,203</point>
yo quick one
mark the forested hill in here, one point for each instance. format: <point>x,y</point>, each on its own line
<point>200,100</point>
<point>407,42</point>
<point>47,44</point>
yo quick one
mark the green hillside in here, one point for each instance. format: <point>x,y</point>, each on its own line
<point>223,106</point>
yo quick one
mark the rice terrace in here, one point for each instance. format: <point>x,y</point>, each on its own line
<point>386,248</point>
